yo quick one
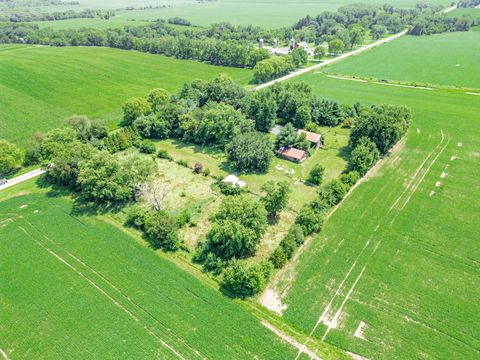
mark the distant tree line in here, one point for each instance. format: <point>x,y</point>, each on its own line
<point>468,3</point>
<point>58,15</point>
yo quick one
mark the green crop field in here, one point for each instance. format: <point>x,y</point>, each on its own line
<point>75,286</point>
<point>394,273</point>
<point>41,86</point>
<point>472,12</point>
<point>267,13</point>
<point>444,59</point>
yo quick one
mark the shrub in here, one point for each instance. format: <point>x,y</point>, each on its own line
<point>214,264</point>
<point>137,217</point>
<point>316,174</point>
<point>310,220</point>
<point>296,233</point>
<point>206,172</point>
<point>184,218</point>
<point>229,189</point>
<point>147,147</point>
<point>242,280</point>
<point>333,192</point>
<point>161,229</point>
<point>10,157</point>
<point>163,154</point>
<point>350,178</point>
<point>183,163</point>
<point>278,258</point>
<point>288,246</point>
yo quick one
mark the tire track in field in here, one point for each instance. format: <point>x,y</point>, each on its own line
<point>406,195</point>
<point>103,292</point>
<point>4,354</point>
<point>119,291</point>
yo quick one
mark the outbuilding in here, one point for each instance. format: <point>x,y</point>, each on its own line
<point>235,181</point>
<point>292,154</point>
<point>314,138</point>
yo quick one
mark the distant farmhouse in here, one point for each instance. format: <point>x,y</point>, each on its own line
<point>281,51</point>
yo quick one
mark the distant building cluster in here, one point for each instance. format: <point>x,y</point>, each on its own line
<point>281,51</point>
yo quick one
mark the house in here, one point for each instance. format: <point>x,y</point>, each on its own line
<point>235,181</point>
<point>292,154</point>
<point>279,51</point>
<point>307,48</point>
<point>314,138</point>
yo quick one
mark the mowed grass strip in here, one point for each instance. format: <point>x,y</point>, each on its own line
<point>401,253</point>
<point>41,86</point>
<point>76,287</point>
<point>450,59</point>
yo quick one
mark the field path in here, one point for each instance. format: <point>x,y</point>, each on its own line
<point>330,61</point>
<point>19,179</point>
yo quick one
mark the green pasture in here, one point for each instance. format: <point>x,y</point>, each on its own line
<point>267,13</point>
<point>472,12</point>
<point>401,253</point>
<point>450,59</point>
<point>41,86</point>
<point>75,286</point>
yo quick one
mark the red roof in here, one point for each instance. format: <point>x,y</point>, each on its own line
<point>310,136</point>
<point>292,153</point>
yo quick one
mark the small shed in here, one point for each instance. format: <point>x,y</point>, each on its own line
<point>235,181</point>
<point>314,138</point>
<point>292,154</point>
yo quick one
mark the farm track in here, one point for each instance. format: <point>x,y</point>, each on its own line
<point>151,324</point>
<point>342,294</point>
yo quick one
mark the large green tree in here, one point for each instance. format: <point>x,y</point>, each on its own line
<point>276,197</point>
<point>134,108</point>
<point>250,152</point>
<point>364,156</point>
<point>10,157</point>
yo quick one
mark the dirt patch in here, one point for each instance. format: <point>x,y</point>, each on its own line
<point>271,300</point>
<point>359,332</point>
<point>302,348</point>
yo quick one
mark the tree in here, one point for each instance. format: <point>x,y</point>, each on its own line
<point>250,152</point>
<point>10,157</point>
<point>378,31</point>
<point>327,112</point>
<point>64,167</point>
<point>230,239</point>
<point>157,98</point>
<point>154,193</point>
<point>276,197</point>
<point>299,56</point>
<point>87,130</point>
<point>302,116</point>
<point>319,52</point>
<point>316,174</point>
<point>364,156</point>
<point>161,229</point>
<point>336,46</point>
<point>147,147</point>
<point>262,107</point>
<point>384,125</point>
<point>287,136</point>
<point>244,210</point>
<point>134,108</point>
<point>309,220</point>
<point>242,280</point>
<point>357,35</point>
<point>333,192</point>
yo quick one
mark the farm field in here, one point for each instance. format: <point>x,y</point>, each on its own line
<point>81,287</point>
<point>473,12</point>
<point>267,14</point>
<point>449,59</point>
<point>393,273</point>
<point>41,86</point>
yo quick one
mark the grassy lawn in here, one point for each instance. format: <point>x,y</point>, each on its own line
<point>449,59</point>
<point>401,253</point>
<point>333,157</point>
<point>41,86</point>
<point>75,286</point>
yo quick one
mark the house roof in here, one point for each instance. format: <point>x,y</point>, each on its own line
<point>310,136</point>
<point>292,153</point>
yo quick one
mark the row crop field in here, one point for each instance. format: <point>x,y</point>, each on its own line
<point>76,286</point>
<point>450,59</point>
<point>41,86</point>
<point>394,272</point>
<point>267,13</point>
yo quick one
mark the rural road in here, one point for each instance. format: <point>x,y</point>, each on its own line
<point>22,178</point>
<point>330,61</point>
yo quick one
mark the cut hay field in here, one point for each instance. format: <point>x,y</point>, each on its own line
<point>450,59</point>
<point>395,272</point>
<point>41,86</point>
<point>266,13</point>
<point>77,286</point>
